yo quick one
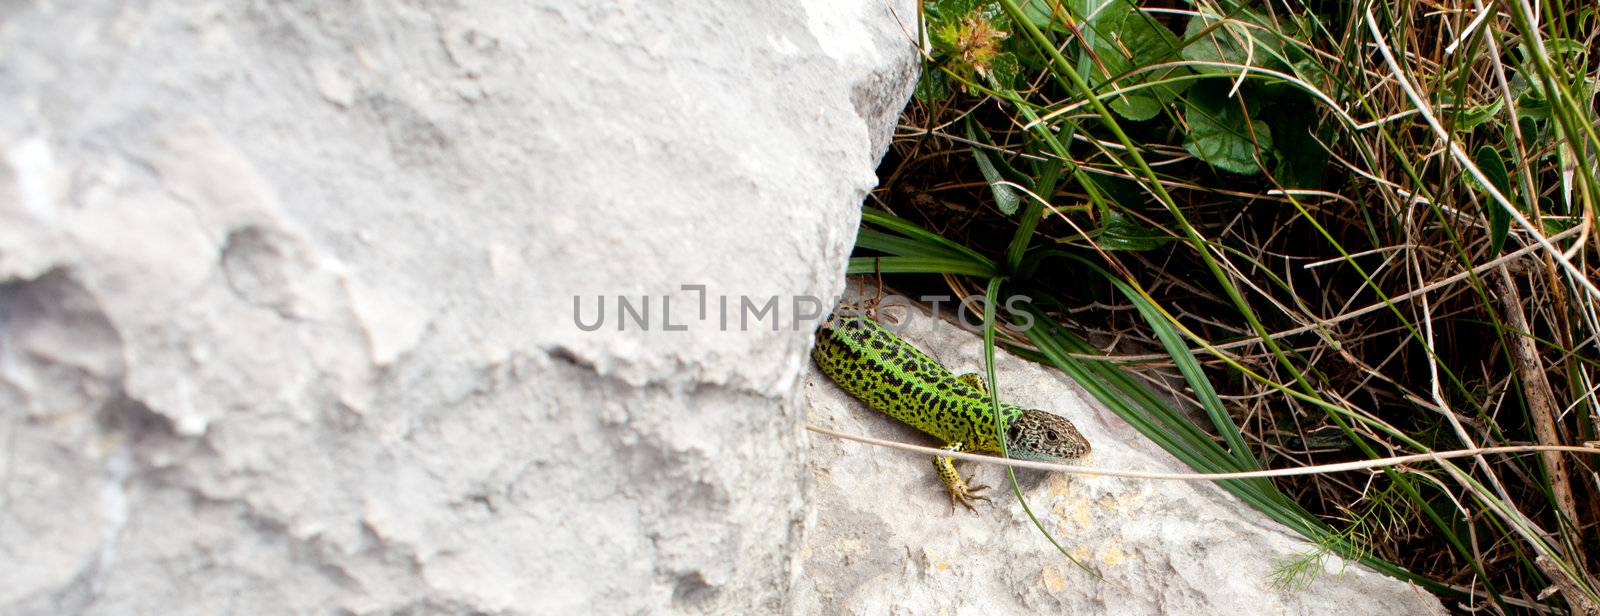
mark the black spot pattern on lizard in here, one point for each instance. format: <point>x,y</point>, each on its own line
<point>895,378</point>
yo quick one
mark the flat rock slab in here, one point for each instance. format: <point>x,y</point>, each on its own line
<point>885,541</point>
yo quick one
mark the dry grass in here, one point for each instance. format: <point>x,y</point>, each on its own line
<point>1365,292</point>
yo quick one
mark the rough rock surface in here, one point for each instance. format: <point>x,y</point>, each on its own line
<point>287,315</point>
<point>884,539</point>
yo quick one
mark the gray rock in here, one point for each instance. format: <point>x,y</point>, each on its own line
<point>287,299</point>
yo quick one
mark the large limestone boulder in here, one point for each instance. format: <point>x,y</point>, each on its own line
<point>287,298</point>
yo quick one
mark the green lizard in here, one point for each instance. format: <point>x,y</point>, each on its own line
<point>892,376</point>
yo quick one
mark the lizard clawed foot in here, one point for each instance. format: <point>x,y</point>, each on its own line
<point>966,493</point>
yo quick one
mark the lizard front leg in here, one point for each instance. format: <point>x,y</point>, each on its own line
<point>961,491</point>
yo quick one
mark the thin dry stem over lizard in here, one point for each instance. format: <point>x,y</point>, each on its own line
<point>894,377</point>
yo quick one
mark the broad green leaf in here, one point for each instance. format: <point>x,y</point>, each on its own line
<point>942,11</point>
<point>1532,104</point>
<point>1528,129</point>
<point>1040,13</point>
<point>1532,100</point>
<point>1004,68</point>
<point>1123,38</point>
<point>1221,134</point>
<point>1492,165</point>
<point>1231,42</point>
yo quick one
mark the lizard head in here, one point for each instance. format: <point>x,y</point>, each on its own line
<point>1044,437</point>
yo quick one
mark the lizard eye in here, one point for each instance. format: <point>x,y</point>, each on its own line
<point>1050,435</point>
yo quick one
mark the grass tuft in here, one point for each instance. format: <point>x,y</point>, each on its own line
<point>1348,231</point>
